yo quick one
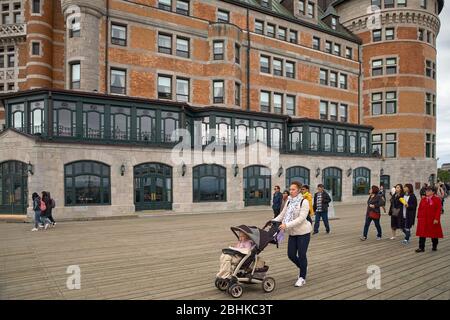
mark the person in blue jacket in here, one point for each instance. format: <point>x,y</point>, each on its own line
<point>276,202</point>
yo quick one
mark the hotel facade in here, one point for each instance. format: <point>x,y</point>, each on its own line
<point>339,92</point>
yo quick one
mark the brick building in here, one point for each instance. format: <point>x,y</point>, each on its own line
<point>93,89</point>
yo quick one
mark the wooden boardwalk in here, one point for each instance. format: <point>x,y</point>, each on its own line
<point>176,257</point>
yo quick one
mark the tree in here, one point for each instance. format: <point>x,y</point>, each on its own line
<point>443,175</point>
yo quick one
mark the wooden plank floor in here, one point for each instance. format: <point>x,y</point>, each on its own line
<point>176,257</point>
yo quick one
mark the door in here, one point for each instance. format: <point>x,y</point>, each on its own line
<point>13,187</point>
<point>152,186</point>
<point>385,181</point>
<point>257,186</point>
<point>332,180</point>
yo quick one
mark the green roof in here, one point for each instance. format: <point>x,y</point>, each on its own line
<point>278,10</point>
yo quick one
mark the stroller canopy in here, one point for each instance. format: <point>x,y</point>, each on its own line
<point>260,237</point>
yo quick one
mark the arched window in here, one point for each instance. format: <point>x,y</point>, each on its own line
<point>64,118</point>
<point>87,183</point>
<point>17,116</point>
<point>276,135</point>
<point>299,174</point>
<point>120,123</point>
<point>93,121</point>
<point>241,130</point>
<point>36,117</point>
<point>296,139</point>
<point>223,130</point>
<point>169,123</point>
<point>209,183</point>
<point>146,125</point>
<point>327,139</point>
<point>361,181</point>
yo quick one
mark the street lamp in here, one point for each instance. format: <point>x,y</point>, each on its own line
<point>236,170</point>
<point>349,172</point>
<point>30,168</point>
<point>280,171</point>
<point>317,172</point>
<point>122,170</point>
<point>183,169</point>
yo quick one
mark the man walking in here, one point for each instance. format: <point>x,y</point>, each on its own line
<point>321,202</point>
<point>276,203</point>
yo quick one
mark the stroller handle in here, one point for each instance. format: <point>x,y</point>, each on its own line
<point>270,223</point>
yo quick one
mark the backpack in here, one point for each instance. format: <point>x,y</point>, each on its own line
<point>42,206</point>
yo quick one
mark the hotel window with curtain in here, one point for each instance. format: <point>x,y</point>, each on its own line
<point>118,81</point>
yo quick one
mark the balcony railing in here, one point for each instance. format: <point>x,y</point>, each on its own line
<point>13,30</point>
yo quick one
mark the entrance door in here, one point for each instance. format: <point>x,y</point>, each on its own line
<point>332,180</point>
<point>257,186</point>
<point>152,186</point>
<point>385,181</point>
<point>13,187</point>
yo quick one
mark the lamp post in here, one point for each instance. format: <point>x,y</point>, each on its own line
<point>30,168</point>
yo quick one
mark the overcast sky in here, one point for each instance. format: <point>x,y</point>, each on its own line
<point>443,87</point>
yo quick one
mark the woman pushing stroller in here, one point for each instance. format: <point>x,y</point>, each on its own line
<point>294,222</point>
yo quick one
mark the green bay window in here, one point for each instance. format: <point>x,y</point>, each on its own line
<point>18,116</point>
<point>169,125</point>
<point>223,130</point>
<point>209,183</point>
<point>296,139</point>
<point>93,121</point>
<point>276,135</point>
<point>352,141</point>
<point>363,142</point>
<point>64,118</point>
<point>146,125</point>
<point>314,138</point>
<point>361,181</point>
<point>120,123</point>
<point>87,183</point>
<point>327,145</point>
<point>340,141</point>
<point>260,131</point>
<point>37,117</point>
<point>242,131</point>
<point>201,132</point>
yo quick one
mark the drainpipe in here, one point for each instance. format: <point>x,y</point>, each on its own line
<point>106,46</point>
<point>360,103</point>
<point>248,60</point>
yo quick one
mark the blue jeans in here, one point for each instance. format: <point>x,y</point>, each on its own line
<point>407,233</point>
<point>324,216</point>
<point>297,249</point>
<point>37,218</point>
<point>377,225</point>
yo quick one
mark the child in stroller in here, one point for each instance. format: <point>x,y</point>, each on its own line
<point>243,264</point>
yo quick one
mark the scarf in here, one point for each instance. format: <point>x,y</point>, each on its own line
<point>292,204</point>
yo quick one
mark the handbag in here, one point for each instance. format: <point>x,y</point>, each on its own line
<point>395,212</point>
<point>374,215</point>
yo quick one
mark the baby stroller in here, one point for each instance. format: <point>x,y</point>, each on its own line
<point>246,271</point>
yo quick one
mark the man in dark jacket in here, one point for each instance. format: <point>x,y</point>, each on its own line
<point>277,199</point>
<point>321,202</point>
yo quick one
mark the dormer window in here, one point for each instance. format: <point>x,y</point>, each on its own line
<point>333,23</point>
<point>265,3</point>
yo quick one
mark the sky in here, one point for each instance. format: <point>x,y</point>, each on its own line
<point>443,87</point>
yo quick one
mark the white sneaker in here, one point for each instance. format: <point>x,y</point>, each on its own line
<point>378,238</point>
<point>392,238</point>
<point>34,229</point>
<point>46,226</point>
<point>300,282</point>
<point>41,226</point>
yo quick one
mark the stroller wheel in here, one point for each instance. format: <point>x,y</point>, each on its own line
<point>221,284</point>
<point>268,284</point>
<point>236,290</point>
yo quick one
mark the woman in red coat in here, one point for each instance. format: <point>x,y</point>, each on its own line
<point>429,220</point>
